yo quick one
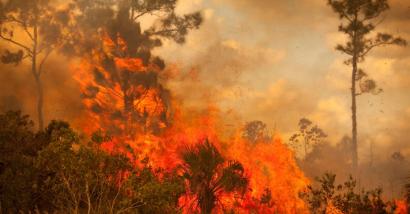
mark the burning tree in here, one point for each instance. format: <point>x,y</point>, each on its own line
<point>120,78</point>
<point>358,22</point>
<point>124,94</point>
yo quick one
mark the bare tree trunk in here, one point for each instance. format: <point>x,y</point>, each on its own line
<point>354,95</point>
<point>354,117</point>
<point>37,77</point>
<point>40,101</point>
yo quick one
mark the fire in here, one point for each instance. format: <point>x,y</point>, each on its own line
<point>117,89</point>
<point>331,209</point>
<point>124,96</point>
<point>401,207</point>
<point>272,165</point>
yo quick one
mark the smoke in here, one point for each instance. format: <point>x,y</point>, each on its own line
<point>61,92</point>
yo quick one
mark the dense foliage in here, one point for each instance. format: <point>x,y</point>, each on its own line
<point>55,170</point>
<point>345,197</point>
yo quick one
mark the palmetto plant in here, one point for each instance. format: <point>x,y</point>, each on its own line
<point>209,175</point>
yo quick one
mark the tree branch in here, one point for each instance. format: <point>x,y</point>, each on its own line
<point>28,33</point>
<point>139,15</point>
<point>40,67</point>
<point>377,44</point>
<point>148,10</point>
<point>346,16</point>
<point>16,43</point>
<point>163,31</point>
<point>13,19</point>
<point>22,23</point>
<point>115,198</point>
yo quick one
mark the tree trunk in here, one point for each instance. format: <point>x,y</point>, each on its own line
<point>354,95</point>
<point>40,101</point>
<point>37,76</point>
<point>354,118</point>
<point>207,201</point>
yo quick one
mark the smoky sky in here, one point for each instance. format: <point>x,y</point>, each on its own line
<point>61,92</point>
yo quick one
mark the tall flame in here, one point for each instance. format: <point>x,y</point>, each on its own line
<point>269,165</point>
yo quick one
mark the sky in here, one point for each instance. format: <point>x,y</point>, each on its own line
<point>275,61</point>
<point>268,60</point>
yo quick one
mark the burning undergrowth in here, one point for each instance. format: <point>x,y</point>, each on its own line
<point>126,98</point>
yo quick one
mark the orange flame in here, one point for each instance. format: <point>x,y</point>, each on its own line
<point>110,91</point>
<point>268,164</point>
<point>401,207</point>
